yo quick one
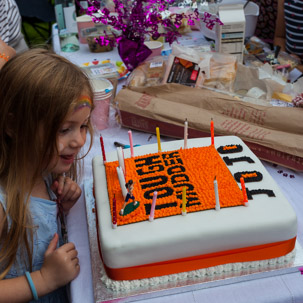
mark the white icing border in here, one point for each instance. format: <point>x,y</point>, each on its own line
<point>125,285</point>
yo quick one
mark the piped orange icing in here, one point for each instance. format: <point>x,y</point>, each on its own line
<point>249,175</point>
<point>229,147</point>
<point>167,173</point>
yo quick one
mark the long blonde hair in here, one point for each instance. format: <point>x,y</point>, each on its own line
<point>37,90</point>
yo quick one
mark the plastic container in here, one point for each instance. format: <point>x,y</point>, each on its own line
<point>155,47</point>
<point>93,33</point>
<point>103,90</point>
<point>251,12</point>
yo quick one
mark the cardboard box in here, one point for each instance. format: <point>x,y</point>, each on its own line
<point>267,130</point>
<point>231,34</point>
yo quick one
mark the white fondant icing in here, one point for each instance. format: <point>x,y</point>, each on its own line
<point>220,271</point>
<point>266,220</point>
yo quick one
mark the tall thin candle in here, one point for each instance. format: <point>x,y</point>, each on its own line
<point>120,158</point>
<point>130,135</point>
<point>121,181</point>
<point>185,133</point>
<point>216,194</point>
<point>114,223</point>
<point>184,201</point>
<point>102,148</point>
<point>212,132</point>
<point>245,200</point>
<point>124,166</point>
<point>153,206</point>
<point>158,138</point>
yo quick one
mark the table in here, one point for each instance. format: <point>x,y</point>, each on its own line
<point>283,288</point>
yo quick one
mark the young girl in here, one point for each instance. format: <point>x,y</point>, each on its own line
<point>45,106</point>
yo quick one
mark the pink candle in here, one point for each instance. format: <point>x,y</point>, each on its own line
<point>244,191</point>
<point>185,133</point>
<point>123,162</point>
<point>114,212</point>
<point>130,135</point>
<point>153,206</point>
<point>212,132</point>
<point>102,148</point>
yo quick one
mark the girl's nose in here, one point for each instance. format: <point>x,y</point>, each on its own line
<point>78,139</point>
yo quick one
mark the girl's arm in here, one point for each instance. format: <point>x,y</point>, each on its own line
<point>60,266</point>
<point>6,52</point>
<point>280,26</point>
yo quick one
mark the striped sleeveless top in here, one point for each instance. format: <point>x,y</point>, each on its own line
<point>10,21</point>
<point>293,12</point>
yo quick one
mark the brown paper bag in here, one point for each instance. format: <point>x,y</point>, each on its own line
<point>273,133</point>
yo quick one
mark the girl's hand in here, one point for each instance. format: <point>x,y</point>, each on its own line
<point>67,190</point>
<point>61,265</point>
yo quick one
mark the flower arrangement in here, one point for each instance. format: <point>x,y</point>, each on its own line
<point>135,19</point>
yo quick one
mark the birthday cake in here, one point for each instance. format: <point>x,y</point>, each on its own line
<point>190,209</point>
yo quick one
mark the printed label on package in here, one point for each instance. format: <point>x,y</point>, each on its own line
<point>183,72</point>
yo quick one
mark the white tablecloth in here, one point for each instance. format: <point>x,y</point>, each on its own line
<point>283,288</point>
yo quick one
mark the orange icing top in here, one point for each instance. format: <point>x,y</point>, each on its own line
<point>229,147</point>
<point>167,173</point>
<point>251,175</point>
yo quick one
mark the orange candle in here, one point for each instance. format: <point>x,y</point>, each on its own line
<point>244,191</point>
<point>212,132</point>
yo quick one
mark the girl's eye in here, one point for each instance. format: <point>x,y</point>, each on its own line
<point>64,130</point>
<point>84,126</point>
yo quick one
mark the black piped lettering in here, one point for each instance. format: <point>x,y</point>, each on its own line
<point>172,158</point>
<point>148,161</point>
<point>162,192</point>
<point>188,186</point>
<point>153,181</point>
<point>191,199</point>
<point>175,169</point>
<point>230,161</point>
<point>249,176</point>
<point>151,169</point>
<point>230,149</point>
<point>179,178</point>
<point>252,192</point>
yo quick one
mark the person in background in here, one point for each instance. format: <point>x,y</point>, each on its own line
<point>44,118</point>
<point>289,29</point>
<point>11,38</point>
<point>265,28</point>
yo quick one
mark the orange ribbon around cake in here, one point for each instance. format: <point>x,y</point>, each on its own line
<point>247,254</point>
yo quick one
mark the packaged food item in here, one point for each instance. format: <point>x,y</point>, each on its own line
<point>256,46</point>
<point>148,73</point>
<point>191,67</point>
<point>223,71</point>
<point>183,71</point>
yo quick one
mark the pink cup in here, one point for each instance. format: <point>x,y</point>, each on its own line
<point>155,47</point>
<point>103,90</point>
<point>100,114</point>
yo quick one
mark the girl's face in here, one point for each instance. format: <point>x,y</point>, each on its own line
<point>70,139</point>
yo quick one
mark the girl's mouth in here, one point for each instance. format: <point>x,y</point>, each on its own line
<point>67,158</point>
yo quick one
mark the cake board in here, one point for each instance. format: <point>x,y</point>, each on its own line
<point>103,294</point>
